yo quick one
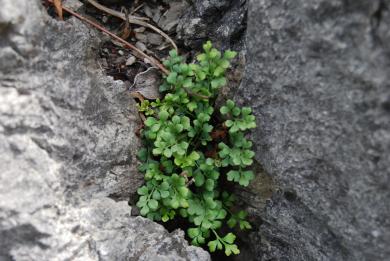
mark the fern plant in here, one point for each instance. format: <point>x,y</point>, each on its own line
<point>189,147</point>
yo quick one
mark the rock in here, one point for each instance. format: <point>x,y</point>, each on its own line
<point>147,84</point>
<point>67,144</point>
<point>141,37</point>
<point>154,39</point>
<point>169,20</point>
<point>130,61</point>
<point>317,76</point>
<point>157,16</point>
<point>221,21</point>
<point>72,4</point>
<point>139,29</point>
<point>140,46</point>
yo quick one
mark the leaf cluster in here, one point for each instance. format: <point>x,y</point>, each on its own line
<point>182,176</point>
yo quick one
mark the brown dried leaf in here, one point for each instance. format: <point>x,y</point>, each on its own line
<point>58,7</point>
<point>126,32</point>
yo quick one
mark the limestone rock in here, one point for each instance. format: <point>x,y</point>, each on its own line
<point>67,148</point>
<point>221,21</point>
<point>317,76</point>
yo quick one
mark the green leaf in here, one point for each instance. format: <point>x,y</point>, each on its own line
<point>201,57</point>
<point>209,185</point>
<point>207,46</point>
<point>206,224</point>
<point>150,121</point>
<point>233,175</point>
<point>230,104</point>
<point>172,77</point>
<point>193,232</point>
<point>164,194</point>
<point>218,82</point>
<point>183,191</point>
<point>215,54</point>
<point>199,180</point>
<point>232,222</point>
<point>175,203</point>
<point>221,214</point>
<point>156,195</point>
<point>165,218</point>
<point>229,238</point>
<point>245,225</point>
<point>163,115</point>
<point>236,111</point>
<point>246,110</point>
<point>229,123</point>
<point>153,204</point>
<point>142,154</point>
<point>168,153</point>
<point>246,177</point>
<point>247,161</point>
<point>229,249</point>
<point>173,53</point>
<point>224,64</point>
<point>219,71</point>
<point>192,106</point>
<point>194,156</point>
<point>144,211</point>
<point>224,110</point>
<point>198,220</point>
<point>143,191</point>
<point>213,245</point>
<point>229,54</point>
<point>187,83</point>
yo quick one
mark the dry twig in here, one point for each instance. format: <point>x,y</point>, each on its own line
<point>58,7</point>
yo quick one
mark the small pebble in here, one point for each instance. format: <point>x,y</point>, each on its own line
<point>120,52</point>
<point>130,61</point>
<point>140,46</point>
<point>141,37</point>
<point>139,29</point>
<point>154,39</point>
<point>105,19</point>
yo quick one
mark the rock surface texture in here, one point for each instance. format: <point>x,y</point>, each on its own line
<point>221,21</point>
<point>318,78</point>
<point>67,148</point>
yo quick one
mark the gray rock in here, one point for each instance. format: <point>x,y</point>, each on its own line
<point>154,39</point>
<point>317,76</point>
<point>140,45</point>
<point>139,29</point>
<point>221,21</point>
<point>67,148</point>
<point>169,20</point>
<point>131,60</point>
<point>141,37</point>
